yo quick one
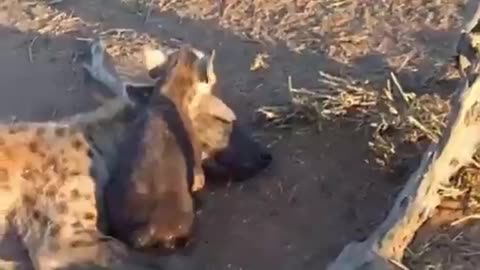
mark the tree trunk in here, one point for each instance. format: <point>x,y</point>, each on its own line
<point>385,247</point>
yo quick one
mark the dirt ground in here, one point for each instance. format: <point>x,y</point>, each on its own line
<point>322,190</point>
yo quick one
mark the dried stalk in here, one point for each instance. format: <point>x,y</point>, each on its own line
<point>385,247</point>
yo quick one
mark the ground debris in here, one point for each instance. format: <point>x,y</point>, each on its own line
<point>397,118</point>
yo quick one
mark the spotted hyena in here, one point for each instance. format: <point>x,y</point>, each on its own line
<point>52,176</point>
<point>163,213</point>
<point>229,152</point>
<point>158,162</point>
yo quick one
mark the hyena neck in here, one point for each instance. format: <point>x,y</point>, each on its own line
<point>106,127</point>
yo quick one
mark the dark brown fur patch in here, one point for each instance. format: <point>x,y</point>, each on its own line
<point>17,128</point>
<point>82,243</point>
<point>4,176</point>
<point>76,225</point>
<point>44,220</point>
<point>36,215</point>
<point>51,192</point>
<point>90,153</point>
<point>2,141</point>
<point>89,216</point>
<point>75,194</point>
<point>5,187</point>
<point>77,144</point>
<point>60,131</point>
<point>28,200</point>
<point>62,208</point>
<point>74,173</point>
<point>33,147</point>
<point>54,230</point>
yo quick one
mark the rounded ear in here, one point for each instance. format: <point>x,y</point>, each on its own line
<point>214,106</point>
<point>206,69</point>
<point>212,77</point>
<point>156,62</point>
<point>157,73</point>
<point>138,94</point>
<point>154,58</point>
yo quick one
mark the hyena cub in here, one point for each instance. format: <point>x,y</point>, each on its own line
<point>149,199</point>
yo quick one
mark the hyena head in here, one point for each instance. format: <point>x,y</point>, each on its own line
<point>229,149</point>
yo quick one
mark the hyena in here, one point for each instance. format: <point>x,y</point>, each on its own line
<point>52,177</point>
<point>53,174</point>
<point>163,214</point>
<point>160,163</point>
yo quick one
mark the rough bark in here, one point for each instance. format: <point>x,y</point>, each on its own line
<point>385,247</point>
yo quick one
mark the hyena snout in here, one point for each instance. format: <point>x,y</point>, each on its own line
<point>243,158</point>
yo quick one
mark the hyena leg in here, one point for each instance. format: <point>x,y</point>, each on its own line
<point>93,252</point>
<point>198,174</point>
<point>66,253</point>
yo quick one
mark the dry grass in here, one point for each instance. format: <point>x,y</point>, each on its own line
<point>344,30</point>
<point>121,43</point>
<point>404,33</point>
<point>397,117</point>
<point>455,248</point>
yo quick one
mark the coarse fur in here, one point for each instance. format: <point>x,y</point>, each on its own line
<point>228,149</point>
<point>53,174</point>
<point>182,86</point>
<point>159,163</point>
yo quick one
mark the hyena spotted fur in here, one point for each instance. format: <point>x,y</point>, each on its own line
<point>51,179</point>
<point>160,165</point>
<point>53,174</point>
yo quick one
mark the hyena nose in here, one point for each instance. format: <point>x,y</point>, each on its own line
<point>169,242</point>
<point>142,239</point>
<point>266,158</point>
<point>182,242</point>
<point>175,242</point>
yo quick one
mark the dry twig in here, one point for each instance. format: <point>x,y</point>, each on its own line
<point>30,49</point>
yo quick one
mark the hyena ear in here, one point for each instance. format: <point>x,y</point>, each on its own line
<point>214,106</point>
<point>156,62</point>
<point>205,69</point>
<point>139,94</point>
